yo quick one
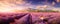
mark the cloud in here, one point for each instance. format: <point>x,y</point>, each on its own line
<point>17,5</point>
<point>8,5</point>
<point>58,0</point>
<point>13,5</point>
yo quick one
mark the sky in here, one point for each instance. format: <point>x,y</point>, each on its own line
<point>8,5</point>
<point>44,2</point>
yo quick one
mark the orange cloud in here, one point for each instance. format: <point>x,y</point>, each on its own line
<point>14,1</point>
<point>58,0</point>
<point>10,5</point>
<point>39,6</point>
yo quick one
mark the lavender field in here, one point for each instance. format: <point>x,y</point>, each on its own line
<point>30,18</point>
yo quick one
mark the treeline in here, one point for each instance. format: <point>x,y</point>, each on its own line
<point>37,10</point>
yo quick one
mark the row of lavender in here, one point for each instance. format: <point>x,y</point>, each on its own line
<point>46,18</point>
<point>30,18</point>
